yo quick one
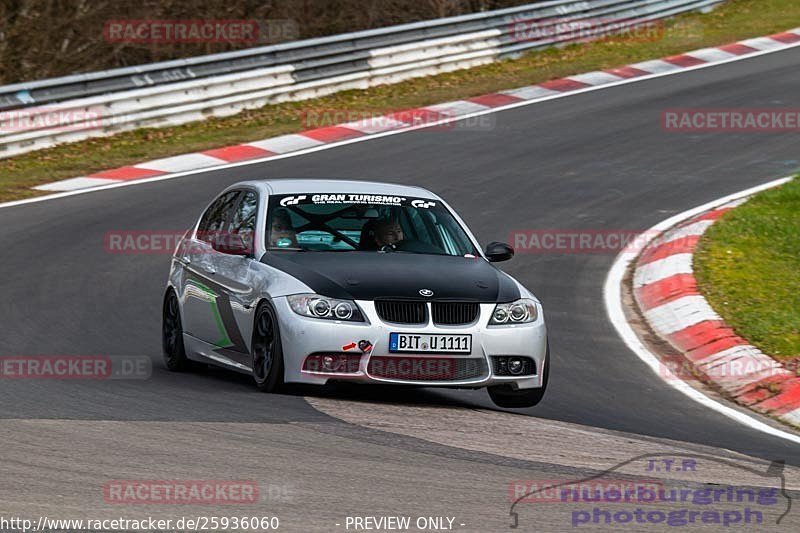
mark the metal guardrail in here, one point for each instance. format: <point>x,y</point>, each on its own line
<point>175,92</point>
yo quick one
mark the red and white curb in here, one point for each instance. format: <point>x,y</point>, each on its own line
<point>413,118</point>
<point>666,291</point>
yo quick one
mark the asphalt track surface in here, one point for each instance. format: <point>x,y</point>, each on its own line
<point>597,161</point>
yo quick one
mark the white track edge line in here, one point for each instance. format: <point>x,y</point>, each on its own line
<point>612,295</point>
<point>394,132</point>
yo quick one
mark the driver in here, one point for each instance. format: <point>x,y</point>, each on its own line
<point>388,232</point>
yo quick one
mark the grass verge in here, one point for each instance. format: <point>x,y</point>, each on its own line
<point>735,20</point>
<point>748,267</point>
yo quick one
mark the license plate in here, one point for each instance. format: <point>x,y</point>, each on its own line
<point>429,343</point>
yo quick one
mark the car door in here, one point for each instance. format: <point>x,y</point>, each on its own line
<point>201,292</point>
<point>236,280</point>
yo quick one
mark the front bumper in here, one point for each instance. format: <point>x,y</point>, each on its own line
<point>302,337</point>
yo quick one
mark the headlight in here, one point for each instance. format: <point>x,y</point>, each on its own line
<point>316,306</point>
<point>520,312</point>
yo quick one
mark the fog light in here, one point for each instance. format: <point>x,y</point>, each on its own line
<point>515,366</point>
<point>332,363</point>
<point>329,362</point>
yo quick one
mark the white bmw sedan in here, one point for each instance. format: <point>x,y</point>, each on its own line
<point>311,281</point>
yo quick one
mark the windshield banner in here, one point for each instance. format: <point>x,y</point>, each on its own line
<point>355,198</point>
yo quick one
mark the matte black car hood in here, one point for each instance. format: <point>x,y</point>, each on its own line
<point>371,275</point>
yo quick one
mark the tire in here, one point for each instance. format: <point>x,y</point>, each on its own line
<point>172,335</point>
<point>508,397</point>
<point>266,350</point>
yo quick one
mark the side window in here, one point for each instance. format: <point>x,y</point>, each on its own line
<point>244,218</point>
<point>215,219</point>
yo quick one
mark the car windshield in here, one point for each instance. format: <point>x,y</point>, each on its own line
<point>364,222</point>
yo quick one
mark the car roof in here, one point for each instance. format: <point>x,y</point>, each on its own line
<point>295,186</point>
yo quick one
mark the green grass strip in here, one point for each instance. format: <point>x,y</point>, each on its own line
<point>748,267</point>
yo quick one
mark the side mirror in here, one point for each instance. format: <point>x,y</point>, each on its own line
<point>232,244</point>
<point>498,251</point>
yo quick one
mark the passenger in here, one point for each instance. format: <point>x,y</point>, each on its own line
<point>282,233</point>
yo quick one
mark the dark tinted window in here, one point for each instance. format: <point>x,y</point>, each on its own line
<point>215,219</point>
